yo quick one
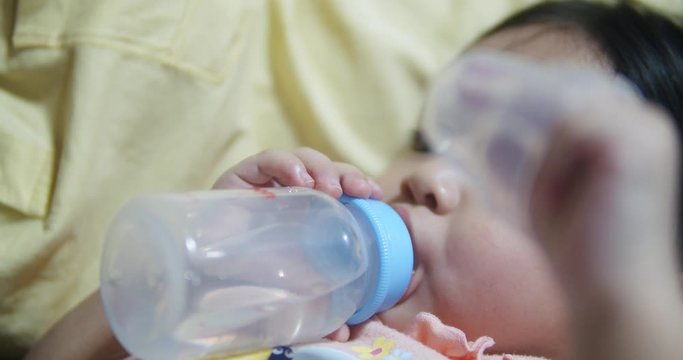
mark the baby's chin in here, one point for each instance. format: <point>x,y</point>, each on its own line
<point>416,299</point>
<point>401,316</point>
<point>396,319</point>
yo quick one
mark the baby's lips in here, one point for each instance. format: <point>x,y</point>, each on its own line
<point>402,211</point>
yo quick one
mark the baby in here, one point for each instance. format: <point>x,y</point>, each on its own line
<point>603,216</point>
<point>595,276</point>
<point>603,213</point>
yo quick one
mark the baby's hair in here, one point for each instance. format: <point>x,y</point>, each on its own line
<point>643,46</point>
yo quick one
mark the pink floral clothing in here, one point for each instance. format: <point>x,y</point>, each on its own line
<point>427,339</point>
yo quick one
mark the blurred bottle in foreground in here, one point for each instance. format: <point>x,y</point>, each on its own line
<point>496,129</point>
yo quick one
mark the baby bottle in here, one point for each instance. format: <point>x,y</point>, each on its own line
<point>493,114</point>
<point>221,272</point>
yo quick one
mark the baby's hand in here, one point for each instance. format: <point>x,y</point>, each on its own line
<point>600,164</point>
<point>302,167</point>
<point>603,201</point>
<point>605,207</point>
<point>606,212</point>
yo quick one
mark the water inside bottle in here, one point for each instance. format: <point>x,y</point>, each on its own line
<point>259,317</point>
<point>270,284</point>
<point>231,280</point>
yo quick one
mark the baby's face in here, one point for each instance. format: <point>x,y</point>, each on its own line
<point>473,270</point>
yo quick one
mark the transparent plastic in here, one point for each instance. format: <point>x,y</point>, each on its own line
<point>493,114</point>
<point>222,272</point>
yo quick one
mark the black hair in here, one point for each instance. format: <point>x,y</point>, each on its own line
<point>643,46</point>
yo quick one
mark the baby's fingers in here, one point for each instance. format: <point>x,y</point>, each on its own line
<point>323,171</point>
<point>355,183</point>
<point>301,167</point>
<point>267,168</point>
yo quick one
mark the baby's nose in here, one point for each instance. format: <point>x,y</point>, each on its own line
<point>436,187</point>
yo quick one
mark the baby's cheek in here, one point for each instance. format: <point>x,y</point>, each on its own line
<point>473,242</point>
<point>500,283</point>
<point>486,255</point>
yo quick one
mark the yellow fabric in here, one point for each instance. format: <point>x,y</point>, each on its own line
<point>102,100</point>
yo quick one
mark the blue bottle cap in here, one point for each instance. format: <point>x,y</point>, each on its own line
<point>395,251</point>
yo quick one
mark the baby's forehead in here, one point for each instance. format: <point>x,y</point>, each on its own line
<point>555,43</point>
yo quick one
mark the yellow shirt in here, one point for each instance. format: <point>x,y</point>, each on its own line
<point>103,100</point>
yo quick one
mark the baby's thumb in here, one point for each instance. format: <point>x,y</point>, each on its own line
<point>342,334</point>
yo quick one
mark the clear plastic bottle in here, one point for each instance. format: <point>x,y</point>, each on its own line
<point>492,114</point>
<point>221,272</point>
